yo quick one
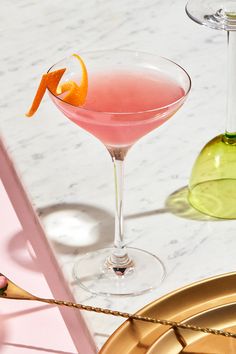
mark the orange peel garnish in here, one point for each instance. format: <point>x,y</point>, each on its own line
<point>49,80</point>
<point>73,93</point>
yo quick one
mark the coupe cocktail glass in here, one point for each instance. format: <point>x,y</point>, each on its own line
<point>212,187</point>
<point>129,95</point>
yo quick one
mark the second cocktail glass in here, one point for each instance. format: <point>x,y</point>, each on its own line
<point>129,95</point>
<point>212,186</point>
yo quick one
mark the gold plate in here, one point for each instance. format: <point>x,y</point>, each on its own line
<point>208,303</point>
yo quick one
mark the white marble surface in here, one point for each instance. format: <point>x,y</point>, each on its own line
<point>62,166</point>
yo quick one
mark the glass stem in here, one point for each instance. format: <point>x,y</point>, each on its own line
<point>119,218</point>
<point>231,103</point>
<point>119,260</point>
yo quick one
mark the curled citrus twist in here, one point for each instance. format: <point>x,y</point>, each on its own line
<point>69,91</point>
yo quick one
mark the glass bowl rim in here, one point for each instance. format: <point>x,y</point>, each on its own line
<point>125,113</point>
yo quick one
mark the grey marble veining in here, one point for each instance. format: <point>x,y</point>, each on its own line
<point>69,174</point>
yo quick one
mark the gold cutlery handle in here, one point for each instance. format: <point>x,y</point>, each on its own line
<point>129,316</point>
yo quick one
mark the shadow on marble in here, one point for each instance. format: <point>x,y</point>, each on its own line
<point>72,226</point>
<point>144,214</point>
<point>81,228</point>
<point>177,204</point>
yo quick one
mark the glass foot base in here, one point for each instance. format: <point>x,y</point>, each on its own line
<point>212,184</point>
<point>92,274</point>
<point>215,198</point>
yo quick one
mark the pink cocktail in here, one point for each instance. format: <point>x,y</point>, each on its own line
<point>129,95</point>
<point>121,105</point>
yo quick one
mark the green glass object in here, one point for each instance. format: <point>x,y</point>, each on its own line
<point>212,186</point>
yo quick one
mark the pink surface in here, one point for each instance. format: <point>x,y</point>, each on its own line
<point>26,259</point>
